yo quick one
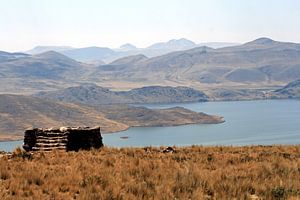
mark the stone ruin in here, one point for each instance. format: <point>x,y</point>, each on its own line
<point>64,138</point>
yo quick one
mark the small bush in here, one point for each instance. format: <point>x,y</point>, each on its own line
<point>4,175</point>
<point>278,193</point>
<point>20,153</point>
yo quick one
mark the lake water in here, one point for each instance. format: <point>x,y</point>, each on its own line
<point>263,122</point>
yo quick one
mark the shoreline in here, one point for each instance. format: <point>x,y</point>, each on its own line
<point>11,138</point>
<point>8,138</point>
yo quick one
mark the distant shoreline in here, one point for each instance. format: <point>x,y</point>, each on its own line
<point>8,138</point>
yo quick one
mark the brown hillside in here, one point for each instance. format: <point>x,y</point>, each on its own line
<point>134,173</point>
<point>18,113</point>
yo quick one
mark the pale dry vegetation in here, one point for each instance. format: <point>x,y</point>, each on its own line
<point>258,172</point>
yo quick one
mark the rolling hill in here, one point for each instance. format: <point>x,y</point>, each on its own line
<point>95,95</point>
<point>46,71</point>
<point>260,62</point>
<point>88,54</point>
<point>291,90</point>
<point>49,65</point>
<point>19,112</point>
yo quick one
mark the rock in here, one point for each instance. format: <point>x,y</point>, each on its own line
<point>253,196</point>
<point>169,150</point>
<point>62,129</point>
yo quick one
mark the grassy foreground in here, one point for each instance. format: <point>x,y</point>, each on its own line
<point>258,172</point>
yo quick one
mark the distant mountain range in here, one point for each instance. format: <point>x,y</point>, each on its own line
<point>262,63</point>
<point>92,54</point>
<point>65,91</point>
<point>43,49</point>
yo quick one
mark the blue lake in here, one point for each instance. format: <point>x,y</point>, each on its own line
<point>263,122</point>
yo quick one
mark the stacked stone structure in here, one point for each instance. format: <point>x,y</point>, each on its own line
<point>64,138</point>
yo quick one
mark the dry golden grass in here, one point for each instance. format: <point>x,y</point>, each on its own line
<point>257,172</point>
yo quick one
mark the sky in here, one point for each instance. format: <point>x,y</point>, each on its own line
<point>81,23</point>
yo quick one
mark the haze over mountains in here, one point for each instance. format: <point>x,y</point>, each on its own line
<point>92,54</point>
<point>43,49</point>
<point>6,56</point>
<point>31,73</point>
<point>64,91</point>
<point>262,63</point>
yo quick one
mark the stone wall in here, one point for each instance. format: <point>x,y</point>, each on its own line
<point>64,138</point>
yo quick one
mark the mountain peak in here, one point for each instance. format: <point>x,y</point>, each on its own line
<point>42,49</point>
<point>52,55</point>
<point>262,41</point>
<point>49,53</point>
<point>175,44</point>
<point>127,46</point>
<point>181,41</point>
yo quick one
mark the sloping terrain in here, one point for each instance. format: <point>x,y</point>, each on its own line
<point>5,56</point>
<point>129,60</point>
<point>141,116</point>
<point>223,94</point>
<point>260,62</point>
<point>291,90</point>
<point>95,95</point>
<point>18,113</point>
<point>89,53</point>
<point>50,70</point>
<point>49,65</point>
<point>196,173</point>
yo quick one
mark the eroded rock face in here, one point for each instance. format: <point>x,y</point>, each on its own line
<point>63,138</point>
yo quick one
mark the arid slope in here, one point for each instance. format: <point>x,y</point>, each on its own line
<point>20,112</point>
<point>259,172</point>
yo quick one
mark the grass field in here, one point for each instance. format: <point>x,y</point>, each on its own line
<point>254,172</point>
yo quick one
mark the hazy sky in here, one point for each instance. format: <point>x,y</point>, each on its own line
<point>79,23</point>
